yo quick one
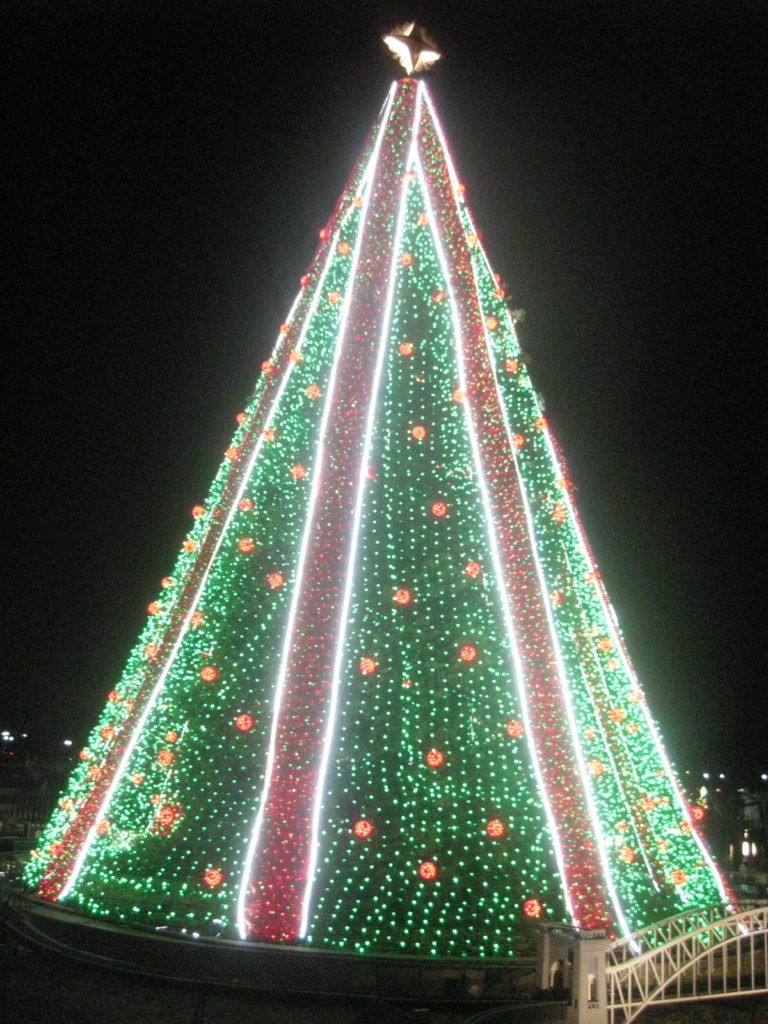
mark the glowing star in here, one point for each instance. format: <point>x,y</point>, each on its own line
<point>412,48</point>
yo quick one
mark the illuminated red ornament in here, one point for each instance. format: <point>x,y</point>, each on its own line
<point>622,826</point>
<point>648,804</point>
<point>634,697</point>
<point>461,190</point>
<point>113,696</point>
<point>150,651</point>
<point>438,296</point>
<point>518,440</point>
<point>422,220</point>
<point>197,511</point>
<point>66,804</point>
<point>439,509</point>
<point>153,608</point>
<point>171,736</point>
<point>166,816</point>
<point>589,734</point>
<point>612,664</point>
<point>434,758</point>
<point>626,855</point>
<point>209,674</point>
<point>246,545</point>
<point>357,202</point>
<point>370,473</point>
<point>196,619</point>
<point>471,240</point>
<point>295,357</point>
<point>167,583</point>
<point>165,758</point>
<point>334,298</point>
<point>267,367</point>
<point>137,780</point>
<point>232,454</point>
<point>679,877</point>
<point>244,723</point>
<point>323,233</point>
<point>511,366</point>
<point>617,715</point>
<point>632,728</point>
<point>685,827</point>
<point>458,396</point>
<point>269,434</point>
<point>275,580</point>
<point>342,248</point>
<point>94,772</point>
<point>405,348</point>
<point>107,732</point>
<point>472,569</point>
<point>284,328</point>
<point>604,644</point>
<point>367,666</point>
<point>298,472</point>
<point>532,908</point>
<point>427,871</point>
<point>556,597</point>
<point>406,259</point>
<point>468,652</point>
<point>499,293</point>
<point>189,546</point>
<point>514,729</point>
<point>102,827</point>
<point>540,423</point>
<point>596,768</point>
<point>591,577</point>
<point>558,512</point>
<point>407,683</point>
<point>495,828</point>
<point>491,323</point>
<point>362,829</point>
<point>418,433</point>
<point>213,878</point>
<point>245,505</point>
<point>697,813</point>
<point>402,596</point>
<point>304,280</point>
<point>313,391</point>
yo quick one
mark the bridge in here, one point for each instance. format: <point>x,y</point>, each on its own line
<point>713,953</point>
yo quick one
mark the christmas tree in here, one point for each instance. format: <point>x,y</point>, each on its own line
<point>382,702</point>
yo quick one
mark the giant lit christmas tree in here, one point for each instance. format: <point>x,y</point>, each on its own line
<point>382,703</point>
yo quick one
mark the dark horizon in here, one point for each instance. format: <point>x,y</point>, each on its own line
<point>169,170</point>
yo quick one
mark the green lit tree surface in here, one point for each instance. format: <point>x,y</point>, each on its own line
<point>382,702</point>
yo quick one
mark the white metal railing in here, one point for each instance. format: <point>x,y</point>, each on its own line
<point>703,957</point>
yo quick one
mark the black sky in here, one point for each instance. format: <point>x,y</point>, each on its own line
<point>169,166</point>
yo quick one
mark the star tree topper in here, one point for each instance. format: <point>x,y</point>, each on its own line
<point>412,47</point>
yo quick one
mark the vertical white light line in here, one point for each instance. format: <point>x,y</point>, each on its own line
<point>352,555</point>
<point>317,473</point>
<point>518,671</point>
<point>131,745</point>
<point>562,674</point>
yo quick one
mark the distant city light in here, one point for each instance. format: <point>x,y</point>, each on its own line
<point>67,743</point>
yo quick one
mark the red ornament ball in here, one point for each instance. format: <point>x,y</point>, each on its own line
<point>439,509</point>
<point>334,298</point>
<point>269,434</point>
<point>232,454</point>
<point>438,296</point>
<point>196,619</point>
<point>434,758</point>
<point>514,729</point>
<point>245,505</point>
<point>107,732</point>
<point>679,877</point>
<point>405,348</point>
<point>406,259</point>
<point>153,608</point>
<point>342,248</point>
<point>427,871</point>
<point>267,367</point>
<point>171,736</point>
<point>367,666</point>
<point>697,813</point>
<point>468,653</point>
<point>491,323</point>
<point>472,569</point>
<point>495,828</point>
<point>165,758</point>
<point>402,596</point>
<point>511,366</point>
<point>362,829</point>
<point>244,723</point>
<point>313,391</point>
<point>208,674</point>
<point>518,440</point>
<point>419,432</point>
<point>275,580</point>
<point>213,878</point>
<point>241,418</point>
<point>197,511</point>
<point>246,545</point>
<point>102,827</point>
<point>189,546</point>
<point>298,472</point>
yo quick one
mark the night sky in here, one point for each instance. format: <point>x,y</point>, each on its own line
<point>169,166</point>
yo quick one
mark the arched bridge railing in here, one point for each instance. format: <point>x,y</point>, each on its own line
<point>713,959</point>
